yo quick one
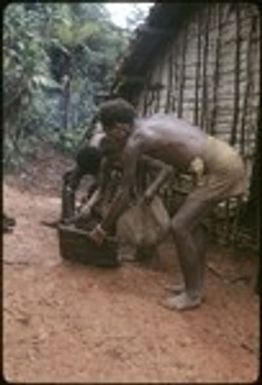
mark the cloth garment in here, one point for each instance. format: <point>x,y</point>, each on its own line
<point>224,174</point>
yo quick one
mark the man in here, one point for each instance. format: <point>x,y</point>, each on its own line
<point>99,158</point>
<point>93,158</point>
<point>87,162</point>
<point>220,175</point>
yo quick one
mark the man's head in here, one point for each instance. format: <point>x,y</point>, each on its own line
<point>88,159</point>
<point>117,117</point>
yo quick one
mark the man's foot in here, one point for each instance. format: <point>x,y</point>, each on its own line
<point>182,301</point>
<point>8,223</point>
<point>11,222</point>
<point>127,253</point>
<point>176,289</point>
<point>7,229</point>
<point>53,224</point>
<point>127,258</point>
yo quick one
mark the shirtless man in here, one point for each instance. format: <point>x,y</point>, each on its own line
<point>100,163</point>
<point>220,170</point>
<point>87,162</point>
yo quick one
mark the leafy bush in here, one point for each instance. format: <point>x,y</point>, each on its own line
<point>57,59</point>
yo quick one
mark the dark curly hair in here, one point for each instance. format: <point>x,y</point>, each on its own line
<point>88,159</point>
<point>116,111</point>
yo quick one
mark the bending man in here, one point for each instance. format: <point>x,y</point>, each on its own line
<point>220,170</point>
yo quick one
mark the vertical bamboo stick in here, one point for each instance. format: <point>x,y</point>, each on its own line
<point>216,71</point>
<point>152,101</point>
<point>204,113</point>
<point>159,84</point>
<point>149,100</point>
<point>158,95</point>
<point>198,65</point>
<point>233,137</point>
<point>174,91</point>
<point>182,74</point>
<point>145,100</point>
<point>248,86</point>
<point>169,81</point>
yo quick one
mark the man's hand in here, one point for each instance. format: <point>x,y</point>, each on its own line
<point>164,173</point>
<point>148,196</point>
<point>97,234</point>
<point>84,215</point>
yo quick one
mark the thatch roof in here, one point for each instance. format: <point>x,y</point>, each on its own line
<point>162,23</point>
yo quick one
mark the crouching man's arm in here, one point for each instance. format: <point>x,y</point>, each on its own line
<point>71,181</point>
<point>120,201</point>
<point>86,210</point>
<point>97,195</point>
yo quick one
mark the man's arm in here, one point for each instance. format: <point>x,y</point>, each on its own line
<point>103,179</point>
<point>86,210</point>
<point>71,181</point>
<point>164,171</point>
<point>120,201</point>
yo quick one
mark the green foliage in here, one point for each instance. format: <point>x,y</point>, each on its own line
<point>56,58</point>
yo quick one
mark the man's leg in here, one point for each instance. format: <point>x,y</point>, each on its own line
<point>126,253</point>
<point>189,242</point>
<point>71,181</point>
<point>200,238</point>
<point>200,234</point>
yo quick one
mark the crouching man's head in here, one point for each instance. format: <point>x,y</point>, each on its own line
<point>117,118</point>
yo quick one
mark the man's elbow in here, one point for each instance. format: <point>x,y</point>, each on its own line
<point>168,170</point>
<point>124,195</point>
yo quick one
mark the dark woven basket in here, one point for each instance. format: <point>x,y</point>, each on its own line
<point>75,245</point>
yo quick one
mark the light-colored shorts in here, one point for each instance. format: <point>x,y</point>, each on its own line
<point>224,174</point>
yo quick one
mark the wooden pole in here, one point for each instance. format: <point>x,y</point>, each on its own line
<point>169,81</point>
<point>248,86</point>
<point>174,93</point>
<point>204,113</point>
<point>198,64</point>
<point>233,137</point>
<point>216,71</point>
<point>182,75</point>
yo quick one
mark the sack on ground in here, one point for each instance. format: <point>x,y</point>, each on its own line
<point>143,224</point>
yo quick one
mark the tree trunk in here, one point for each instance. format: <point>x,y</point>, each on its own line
<point>66,102</point>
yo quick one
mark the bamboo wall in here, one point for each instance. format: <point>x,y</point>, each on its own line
<point>210,75</point>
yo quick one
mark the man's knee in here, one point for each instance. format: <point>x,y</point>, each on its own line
<point>67,176</point>
<point>72,178</point>
<point>178,229</point>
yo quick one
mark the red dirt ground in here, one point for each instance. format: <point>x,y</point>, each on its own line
<point>65,322</point>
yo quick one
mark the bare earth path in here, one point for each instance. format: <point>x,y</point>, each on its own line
<point>65,322</point>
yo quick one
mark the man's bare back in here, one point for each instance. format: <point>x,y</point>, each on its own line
<point>168,139</point>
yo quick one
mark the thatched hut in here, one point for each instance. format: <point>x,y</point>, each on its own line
<point>202,62</point>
